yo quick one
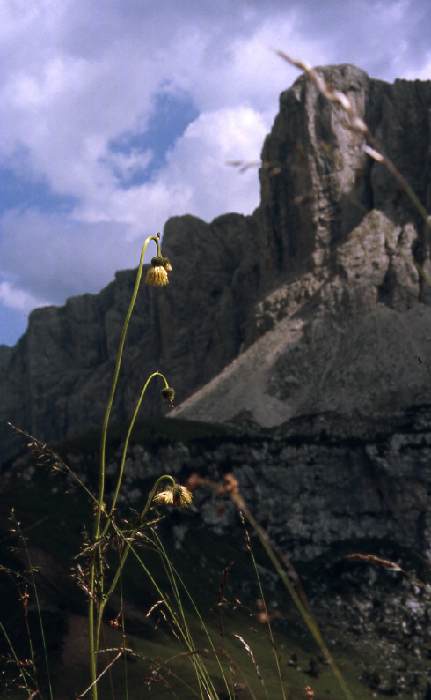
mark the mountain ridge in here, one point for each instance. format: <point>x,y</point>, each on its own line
<point>333,240</point>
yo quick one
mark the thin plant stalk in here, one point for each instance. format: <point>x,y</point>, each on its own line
<point>201,672</point>
<point>268,622</point>
<point>125,552</point>
<point>172,577</point>
<point>93,643</point>
<point>21,671</point>
<point>162,552</point>
<point>36,597</point>
<point>42,631</point>
<point>126,442</point>
<point>123,631</point>
<point>305,613</point>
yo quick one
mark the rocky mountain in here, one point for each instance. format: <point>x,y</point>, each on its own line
<point>315,299</point>
<point>348,325</point>
<point>312,302</point>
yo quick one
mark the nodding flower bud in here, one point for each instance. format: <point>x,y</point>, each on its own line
<point>174,495</point>
<point>157,275</point>
<point>168,393</point>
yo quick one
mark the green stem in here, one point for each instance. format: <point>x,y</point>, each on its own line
<point>126,443</point>
<point>93,642</point>
<point>118,362</point>
<point>126,550</point>
<point>117,492</point>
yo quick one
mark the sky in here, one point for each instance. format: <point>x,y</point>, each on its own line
<point>117,114</point>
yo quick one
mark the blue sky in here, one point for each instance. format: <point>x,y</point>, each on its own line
<point>116,115</point>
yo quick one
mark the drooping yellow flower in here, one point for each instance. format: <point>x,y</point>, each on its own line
<point>157,275</point>
<point>175,495</point>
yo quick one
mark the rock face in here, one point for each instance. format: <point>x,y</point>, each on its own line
<point>56,381</point>
<point>315,299</point>
<point>347,323</point>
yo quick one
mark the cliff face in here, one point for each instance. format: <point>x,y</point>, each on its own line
<point>55,382</point>
<point>315,297</point>
<point>347,323</point>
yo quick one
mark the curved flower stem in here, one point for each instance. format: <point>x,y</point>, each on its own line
<point>108,523</point>
<point>126,443</point>
<point>125,554</point>
<point>93,647</point>
<point>118,362</point>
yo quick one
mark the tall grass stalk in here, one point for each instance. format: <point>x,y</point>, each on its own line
<point>202,675</point>
<point>23,541</point>
<point>174,574</point>
<point>304,610</point>
<point>284,691</point>
<point>19,665</point>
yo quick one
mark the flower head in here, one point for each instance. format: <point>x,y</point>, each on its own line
<point>174,495</point>
<point>157,275</point>
<point>168,393</point>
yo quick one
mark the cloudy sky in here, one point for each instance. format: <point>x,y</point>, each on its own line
<point>117,114</point>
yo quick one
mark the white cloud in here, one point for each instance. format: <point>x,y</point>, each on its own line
<point>70,100</point>
<point>76,75</point>
<point>53,256</point>
<point>15,298</point>
<point>196,178</point>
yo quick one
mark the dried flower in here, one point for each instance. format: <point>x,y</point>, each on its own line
<point>157,275</point>
<point>176,495</point>
<point>164,497</point>
<point>182,496</point>
<point>168,393</point>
